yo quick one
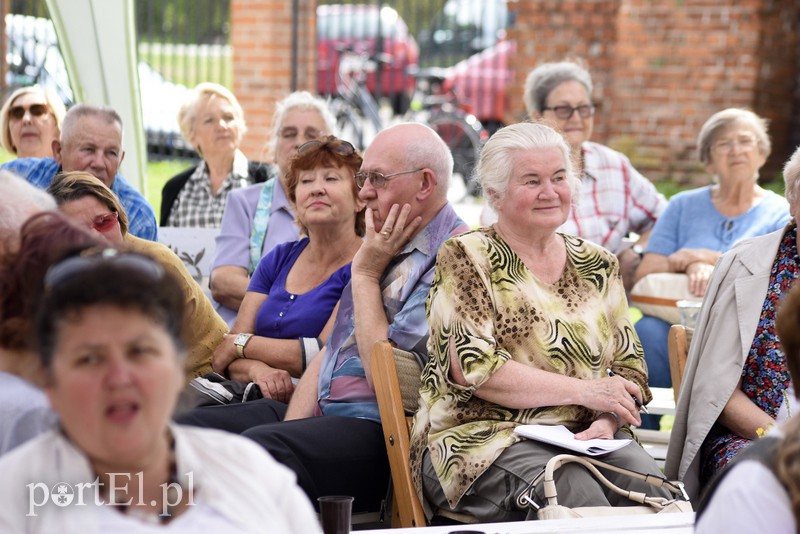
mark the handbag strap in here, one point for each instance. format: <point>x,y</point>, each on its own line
<point>592,464</point>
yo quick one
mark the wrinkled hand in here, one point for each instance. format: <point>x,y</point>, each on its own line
<point>273,383</point>
<point>224,354</point>
<point>613,394</point>
<point>602,428</point>
<point>679,261</point>
<point>699,275</point>
<point>378,249</point>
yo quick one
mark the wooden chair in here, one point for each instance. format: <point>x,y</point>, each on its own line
<point>396,410</point>
<point>678,345</point>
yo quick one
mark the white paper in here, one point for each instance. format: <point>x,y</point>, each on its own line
<point>561,436</point>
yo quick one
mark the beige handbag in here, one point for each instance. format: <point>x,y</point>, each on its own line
<point>657,295</point>
<point>649,505</point>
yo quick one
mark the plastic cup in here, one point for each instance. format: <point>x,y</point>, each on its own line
<point>689,310</point>
<point>335,512</point>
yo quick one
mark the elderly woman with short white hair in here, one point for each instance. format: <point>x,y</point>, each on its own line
<point>524,322</point>
<point>212,121</point>
<point>737,384</point>
<point>701,224</point>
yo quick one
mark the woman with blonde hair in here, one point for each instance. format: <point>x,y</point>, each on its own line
<point>30,120</point>
<point>212,121</point>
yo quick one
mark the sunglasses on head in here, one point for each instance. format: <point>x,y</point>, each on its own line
<point>36,110</point>
<point>335,145</point>
<point>104,223</point>
<point>66,269</point>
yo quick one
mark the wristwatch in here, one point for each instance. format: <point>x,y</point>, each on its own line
<point>638,249</point>
<point>240,341</point>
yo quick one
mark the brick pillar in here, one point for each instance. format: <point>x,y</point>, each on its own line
<point>261,41</point>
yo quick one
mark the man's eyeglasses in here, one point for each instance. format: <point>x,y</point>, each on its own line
<point>104,223</point>
<point>377,179</point>
<point>334,144</point>
<point>66,269</point>
<point>565,112</point>
<point>36,110</point>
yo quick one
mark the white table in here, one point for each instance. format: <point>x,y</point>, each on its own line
<point>679,523</point>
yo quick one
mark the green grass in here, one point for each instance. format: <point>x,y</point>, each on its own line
<point>158,172</point>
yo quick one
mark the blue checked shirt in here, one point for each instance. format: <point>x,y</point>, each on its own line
<point>141,217</point>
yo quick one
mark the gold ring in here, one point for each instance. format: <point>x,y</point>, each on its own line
<point>386,233</point>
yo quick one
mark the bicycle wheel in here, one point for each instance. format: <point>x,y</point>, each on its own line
<point>462,133</point>
<point>348,122</point>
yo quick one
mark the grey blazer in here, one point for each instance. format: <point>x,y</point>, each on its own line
<point>723,337</point>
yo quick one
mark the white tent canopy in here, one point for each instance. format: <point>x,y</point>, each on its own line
<point>98,41</point>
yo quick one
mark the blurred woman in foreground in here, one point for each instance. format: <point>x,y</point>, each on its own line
<point>108,327</point>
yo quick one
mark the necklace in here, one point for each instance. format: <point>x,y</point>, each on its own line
<point>146,515</point>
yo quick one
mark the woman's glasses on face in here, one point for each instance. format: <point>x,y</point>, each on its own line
<point>36,110</point>
<point>335,145</point>
<point>66,269</point>
<point>104,223</point>
<point>565,112</point>
<point>726,146</point>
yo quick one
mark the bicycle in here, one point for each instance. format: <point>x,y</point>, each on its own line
<point>359,116</point>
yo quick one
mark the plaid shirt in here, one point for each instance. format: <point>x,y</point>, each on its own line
<point>615,199</point>
<point>141,217</point>
<point>196,206</point>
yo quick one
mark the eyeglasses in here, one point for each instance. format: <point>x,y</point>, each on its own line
<point>565,112</point>
<point>68,268</point>
<point>36,110</point>
<point>104,223</point>
<point>334,144</point>
<point>726,146</point>
<point>377,179</point>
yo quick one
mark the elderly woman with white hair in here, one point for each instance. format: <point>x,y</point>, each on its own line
<point>524,322</point>
<point>212,121</point>
<point>700,224</point>
<point>260,217</point>
<point>736,384</point>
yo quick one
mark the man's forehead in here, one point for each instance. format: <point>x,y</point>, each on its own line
<point>97,131</point>
<point>383,156</point>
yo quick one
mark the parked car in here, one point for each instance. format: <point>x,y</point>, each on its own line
<point>480,83</point>
<point>33,57</point>
<point>463,28</point>
<point>373,30</point>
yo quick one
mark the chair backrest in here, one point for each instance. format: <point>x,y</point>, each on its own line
<point>678,345</point>
<point>406,507</point>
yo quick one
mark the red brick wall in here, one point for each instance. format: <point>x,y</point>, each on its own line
<point>662,67</point>
<point>261,39</point>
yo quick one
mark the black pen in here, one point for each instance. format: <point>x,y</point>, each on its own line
<point>639,404</point>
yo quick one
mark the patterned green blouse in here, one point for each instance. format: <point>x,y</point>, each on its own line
<point>485,299</point>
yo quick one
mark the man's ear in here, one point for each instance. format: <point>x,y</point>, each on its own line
<point>427,185</point>
<point>56,147</point>
<point>121,158</point>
